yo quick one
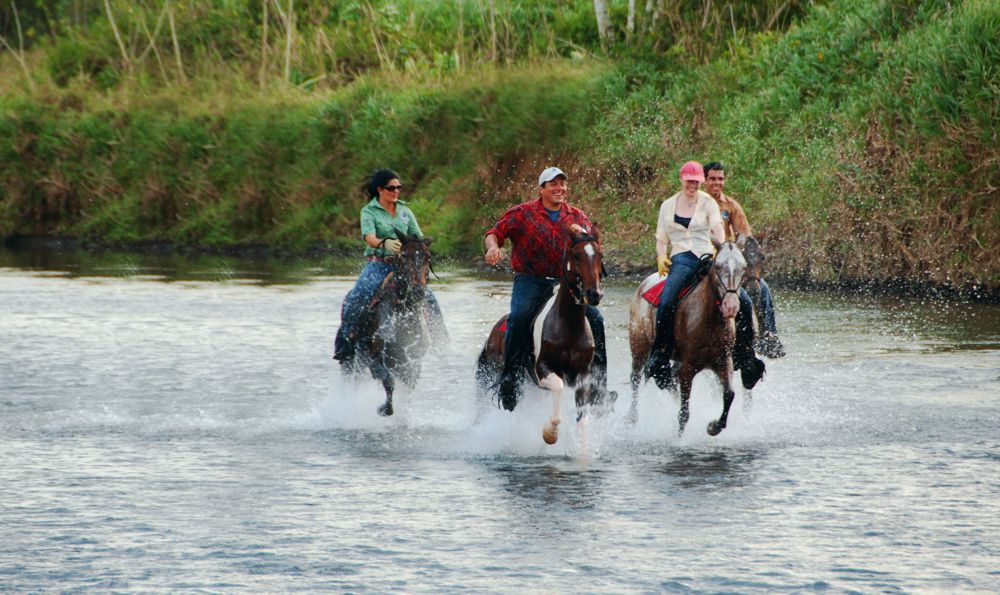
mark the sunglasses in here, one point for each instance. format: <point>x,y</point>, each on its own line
<point>393,188</point>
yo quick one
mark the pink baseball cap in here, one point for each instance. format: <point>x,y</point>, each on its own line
<point>692,170</point>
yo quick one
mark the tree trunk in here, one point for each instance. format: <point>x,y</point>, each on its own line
<point>630,26</point>
<point>603,22</point>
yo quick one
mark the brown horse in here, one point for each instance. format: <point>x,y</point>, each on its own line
<point>704,332</point>
<point>563,344</point>
<point>394,335</point>
<point>754,255</point>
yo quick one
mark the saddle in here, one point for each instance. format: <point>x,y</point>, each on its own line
<point>652,295</point>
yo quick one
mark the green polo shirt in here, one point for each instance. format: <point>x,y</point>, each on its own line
<point>376,220</point>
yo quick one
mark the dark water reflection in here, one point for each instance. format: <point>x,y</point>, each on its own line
<point>541,482</point>
<point>710,469</point>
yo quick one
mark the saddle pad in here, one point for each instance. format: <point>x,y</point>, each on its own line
<point>652,295</point>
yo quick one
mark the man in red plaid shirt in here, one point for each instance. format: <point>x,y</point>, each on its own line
<point>535,230</point>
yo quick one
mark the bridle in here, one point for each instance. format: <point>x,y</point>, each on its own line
<point>399,263</point>
<point>725,287</point>
<point>575,286</point>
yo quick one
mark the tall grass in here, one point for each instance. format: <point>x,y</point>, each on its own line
<point>861,136</point>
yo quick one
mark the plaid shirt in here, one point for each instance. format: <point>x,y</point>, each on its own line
<point>538,242</point>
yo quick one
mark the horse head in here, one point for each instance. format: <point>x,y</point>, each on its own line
<point>583,265</point>
<point>411,266</point>
<point>754,255</point>
<point>728,270</point>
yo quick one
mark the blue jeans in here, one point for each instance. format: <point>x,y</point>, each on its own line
<point>682,267</point>
<point>527,297</point>
<point>768,303</point>
<point>361,295</point>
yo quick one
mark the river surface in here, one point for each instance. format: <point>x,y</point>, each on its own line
<point>177,424</point>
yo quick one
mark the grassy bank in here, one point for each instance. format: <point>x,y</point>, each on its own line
<point>861,137</point>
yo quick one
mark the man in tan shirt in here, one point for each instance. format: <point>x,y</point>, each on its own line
<point>734,222</point>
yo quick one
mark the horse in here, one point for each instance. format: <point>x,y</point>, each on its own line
<point>563,345</point>
<point>754,255</point>
<point>394,336</point>
<point>704,332</point>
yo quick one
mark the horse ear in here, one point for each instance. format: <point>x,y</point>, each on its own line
<point>717,244</point>
<point>427,240</point>
<point>741,241</point>
<point>595,230</point>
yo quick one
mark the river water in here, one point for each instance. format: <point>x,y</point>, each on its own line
<point>177,424</point>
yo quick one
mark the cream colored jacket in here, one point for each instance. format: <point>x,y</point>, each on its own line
<point>696,237</point>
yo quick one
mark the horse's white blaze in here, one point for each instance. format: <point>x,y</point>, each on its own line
<point>589,249</point>
<point>536,331</point>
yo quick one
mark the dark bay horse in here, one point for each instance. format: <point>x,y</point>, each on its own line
<point>755,257</point>
<point>704,332</point>
<point>394,334</point>
<point>562,341</point>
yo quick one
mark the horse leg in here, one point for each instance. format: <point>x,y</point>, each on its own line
<point>685,380</point>
<point>582,419</point>
<point>381,372</point>
<point>385,409</point>
<point>635,378</point>
<point>550,433</point>
<point>716,426</point>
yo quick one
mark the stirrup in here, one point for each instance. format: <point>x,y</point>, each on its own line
<point>658,367</point>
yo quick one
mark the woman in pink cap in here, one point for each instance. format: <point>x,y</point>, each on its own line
<point>687,224</point>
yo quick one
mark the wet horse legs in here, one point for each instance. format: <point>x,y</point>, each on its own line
<point>380,372</point>
<point>551,381</point>
<point>685,378</point>
<point>716,426</point>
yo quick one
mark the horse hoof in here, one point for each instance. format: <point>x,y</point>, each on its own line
<point>551,432</point>
<point>550,436</point>
<point>714,428</point>
<point>385,410</point>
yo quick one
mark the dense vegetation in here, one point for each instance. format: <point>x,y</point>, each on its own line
<point>861,136</point>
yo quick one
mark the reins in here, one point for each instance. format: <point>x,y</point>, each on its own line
<point>576,287</point>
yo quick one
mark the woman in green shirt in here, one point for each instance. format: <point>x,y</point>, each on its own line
<point>381,219</point>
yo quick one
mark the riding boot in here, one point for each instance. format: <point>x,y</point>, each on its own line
<point>744,359</point>
<point>508,388</point>
<point>769,345</point>
<point>658,363</point>
<point>343,347</point>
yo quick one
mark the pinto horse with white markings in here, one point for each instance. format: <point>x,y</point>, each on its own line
<point>704,331</point>
<point>562,341</point>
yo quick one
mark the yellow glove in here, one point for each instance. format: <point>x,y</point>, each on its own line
<point>663,264</point>
<point>393,245</point>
